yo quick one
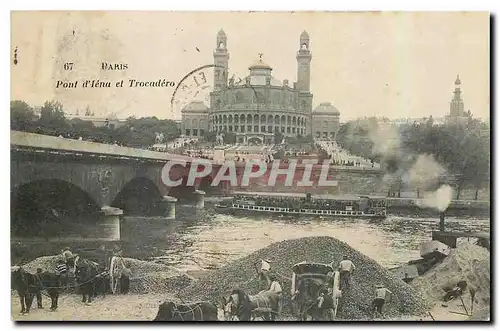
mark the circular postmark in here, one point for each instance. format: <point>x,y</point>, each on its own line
<point>195,86</point>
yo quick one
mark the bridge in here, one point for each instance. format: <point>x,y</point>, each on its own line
<point>62,179</point>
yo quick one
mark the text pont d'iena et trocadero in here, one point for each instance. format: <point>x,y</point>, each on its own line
<point>200,168</point>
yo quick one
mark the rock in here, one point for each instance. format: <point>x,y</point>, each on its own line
<point>355,304</point>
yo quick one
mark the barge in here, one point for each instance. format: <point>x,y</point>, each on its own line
<point>297,204</point>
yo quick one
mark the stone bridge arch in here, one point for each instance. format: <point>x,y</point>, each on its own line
<point>52,208</point>
<point>139,196</point>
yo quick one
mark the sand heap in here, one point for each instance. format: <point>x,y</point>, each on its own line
<point>147,277</point>
<point>467,262</point>
<point>355,303</point>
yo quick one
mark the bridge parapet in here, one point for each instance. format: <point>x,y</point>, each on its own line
<point>39,141</point>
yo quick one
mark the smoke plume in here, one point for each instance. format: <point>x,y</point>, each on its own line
<point>424,172</point>
<point>420,171</point>
<point>386,141</point>
<point>439,199</point>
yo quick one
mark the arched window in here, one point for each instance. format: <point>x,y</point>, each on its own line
<point>304,46</point>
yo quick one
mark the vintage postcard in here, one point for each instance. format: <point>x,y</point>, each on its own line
<point>249,166</point>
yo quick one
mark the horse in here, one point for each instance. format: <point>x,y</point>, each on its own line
<point>28,285</point>
<point>87,278</point>
<point>306,298</point>
<point>246,306</point>
<point>53,285</point>
<point>169,311</point>
<point>102,284</point>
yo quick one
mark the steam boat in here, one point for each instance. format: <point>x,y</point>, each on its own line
<point>304,204</point>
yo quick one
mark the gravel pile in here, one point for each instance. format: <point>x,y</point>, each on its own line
<point>47,263</point>
<point>467,262</point>
<point>159,282</point>
<point>147,277</point>
<point>355,303</point>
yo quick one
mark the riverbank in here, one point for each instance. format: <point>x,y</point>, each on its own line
<point>408,302</point>
<point>455,208</point>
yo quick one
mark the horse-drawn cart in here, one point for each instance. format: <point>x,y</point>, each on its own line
<point>308,279</point>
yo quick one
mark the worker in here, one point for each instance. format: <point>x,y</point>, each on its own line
<point>346,268</point>
<point>381,295</point>
<point>326,304</point>
<point>69,259</point>
<point>265,282</point>
<point>126,273</point>
<point>276,287</point>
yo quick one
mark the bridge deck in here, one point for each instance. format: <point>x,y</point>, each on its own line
<point>38,141</point>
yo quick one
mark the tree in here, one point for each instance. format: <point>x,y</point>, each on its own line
<point>22,116</point>
<point>52,118</point>
<point>82,128</point>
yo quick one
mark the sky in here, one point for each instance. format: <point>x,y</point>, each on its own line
<point>395,65</point>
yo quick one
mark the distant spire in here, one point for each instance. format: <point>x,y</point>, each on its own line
<point>457,81</point>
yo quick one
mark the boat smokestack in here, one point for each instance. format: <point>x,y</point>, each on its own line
<point>441,221</point>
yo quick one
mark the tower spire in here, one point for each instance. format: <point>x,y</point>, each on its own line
<point>221,61</point>
<point>457,104</point>
<point>304,64</point>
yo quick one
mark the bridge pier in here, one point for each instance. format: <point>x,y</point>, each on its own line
<point>111,222</point>
<point>169,203</point>
<point>200,199</point>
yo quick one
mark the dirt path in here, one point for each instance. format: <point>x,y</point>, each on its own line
<point>143,307</point>
<point>131,307</point>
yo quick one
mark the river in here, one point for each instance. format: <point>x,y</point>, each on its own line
<point>199,240</point>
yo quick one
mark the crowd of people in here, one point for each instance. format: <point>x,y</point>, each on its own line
<point>339,157</point>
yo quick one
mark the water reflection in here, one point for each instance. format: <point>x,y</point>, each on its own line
<point>207,240</point>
